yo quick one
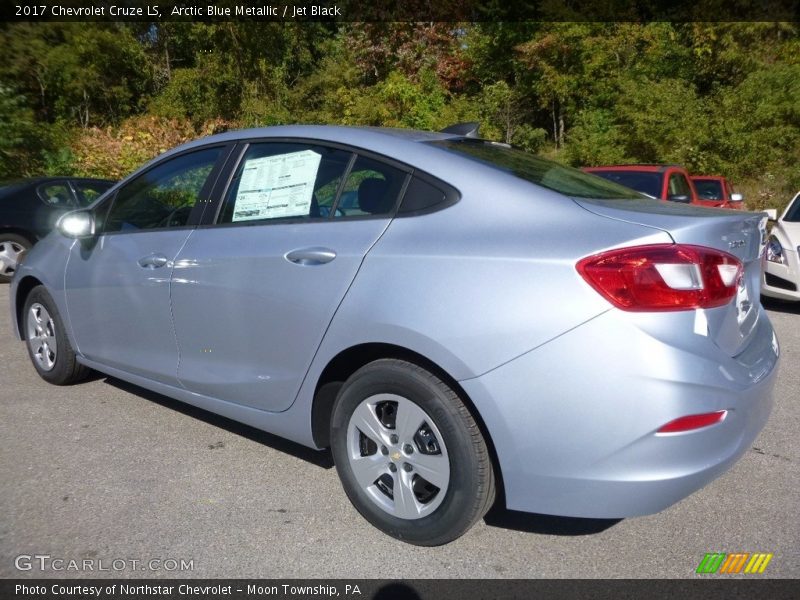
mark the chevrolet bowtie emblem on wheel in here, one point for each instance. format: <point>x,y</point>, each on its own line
<point>396,456</point>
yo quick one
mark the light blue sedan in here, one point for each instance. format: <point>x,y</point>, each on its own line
<point>457,320</point>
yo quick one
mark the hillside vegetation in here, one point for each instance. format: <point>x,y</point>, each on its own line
<point>99,99</point>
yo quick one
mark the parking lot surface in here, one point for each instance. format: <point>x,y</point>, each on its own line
<point>117,476</point>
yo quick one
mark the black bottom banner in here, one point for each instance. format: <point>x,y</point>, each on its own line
<point>410,589</point>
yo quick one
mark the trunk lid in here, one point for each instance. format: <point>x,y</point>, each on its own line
<point>742,234</point>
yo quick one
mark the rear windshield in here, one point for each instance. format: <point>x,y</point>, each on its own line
<point>545,173</point>
<point>641,181</point>
<point>708,189</point>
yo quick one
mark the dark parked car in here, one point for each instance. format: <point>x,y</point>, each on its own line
<point>663,182</point>
<point>29,210</point>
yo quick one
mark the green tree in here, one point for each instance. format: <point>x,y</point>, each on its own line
<point>18,134</point>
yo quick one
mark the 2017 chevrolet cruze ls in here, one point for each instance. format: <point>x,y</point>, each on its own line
<point>453,317</point>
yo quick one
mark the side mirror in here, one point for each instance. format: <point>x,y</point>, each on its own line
<point>735,197</point>
<point>683,198</point>
<point>772,214</point>
<point>76,224</point>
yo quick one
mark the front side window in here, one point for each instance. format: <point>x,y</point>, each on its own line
<point>285,180</point>
<point>678,186</point>
<point>163,196</point>
<point>89,191</point>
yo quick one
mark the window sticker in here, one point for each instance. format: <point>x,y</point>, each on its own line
<point>278,186</point>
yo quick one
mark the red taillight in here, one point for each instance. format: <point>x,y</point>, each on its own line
<point>663,277</point>
<point>693,422</point>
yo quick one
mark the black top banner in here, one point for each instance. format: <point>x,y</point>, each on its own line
<point>402,10</point>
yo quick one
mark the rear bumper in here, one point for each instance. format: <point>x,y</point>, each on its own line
<point>574,422</point>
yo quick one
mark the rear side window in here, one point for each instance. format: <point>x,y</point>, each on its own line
<point>422,196</point>
<point>56,194</point>
<point>539,171</point>
<point>372,188</point>
<point>279,181</point>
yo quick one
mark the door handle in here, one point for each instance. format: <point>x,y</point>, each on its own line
<point>311,256</point>
<point>153,261</point>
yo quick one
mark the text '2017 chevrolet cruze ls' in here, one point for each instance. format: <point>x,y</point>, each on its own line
<point>452,317</point>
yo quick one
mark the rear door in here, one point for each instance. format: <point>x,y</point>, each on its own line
<point>254,291</point>
<point>117,285</point>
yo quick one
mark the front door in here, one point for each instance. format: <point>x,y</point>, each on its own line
<point>118,284</point>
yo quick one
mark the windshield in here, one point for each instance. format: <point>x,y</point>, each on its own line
<point>793,214</point>
<point>708,189</point>
<point>642,181</point>
<point>545,173</point>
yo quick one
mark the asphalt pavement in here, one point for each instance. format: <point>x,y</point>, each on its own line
<point>112,477</point>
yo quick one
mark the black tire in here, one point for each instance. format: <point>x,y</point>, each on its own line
<point>65,368</point>
<point>14,243</point>
<point>470,490</point>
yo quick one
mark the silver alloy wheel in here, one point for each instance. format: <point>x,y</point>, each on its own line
<point>398,456</point>
<point>9,256</point>
<point>42,336</point>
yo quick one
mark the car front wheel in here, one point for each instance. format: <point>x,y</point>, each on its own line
<point>48,347</point>
<point>409,453</point>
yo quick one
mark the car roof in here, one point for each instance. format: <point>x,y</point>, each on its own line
<point>401,144</point>
<point>20,183</point>
<point>333,133</point>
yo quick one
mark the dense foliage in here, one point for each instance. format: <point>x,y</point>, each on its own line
<point>100,98</point>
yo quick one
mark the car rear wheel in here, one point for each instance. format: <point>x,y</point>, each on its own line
<point>12,247</point>
<point>48,347</point>
<point>409,453</point>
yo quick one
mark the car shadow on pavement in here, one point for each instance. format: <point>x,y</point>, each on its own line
<point>545,524</point>
<point>781,305</point>
<point>320,458</point>
<point>498,516</point>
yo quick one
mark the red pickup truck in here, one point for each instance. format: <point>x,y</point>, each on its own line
<point>663,182</point>
<point>715,190</point>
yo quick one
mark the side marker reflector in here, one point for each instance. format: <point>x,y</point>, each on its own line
<point>690,422</point>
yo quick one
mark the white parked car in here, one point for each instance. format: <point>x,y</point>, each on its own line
<point>782,272</point>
